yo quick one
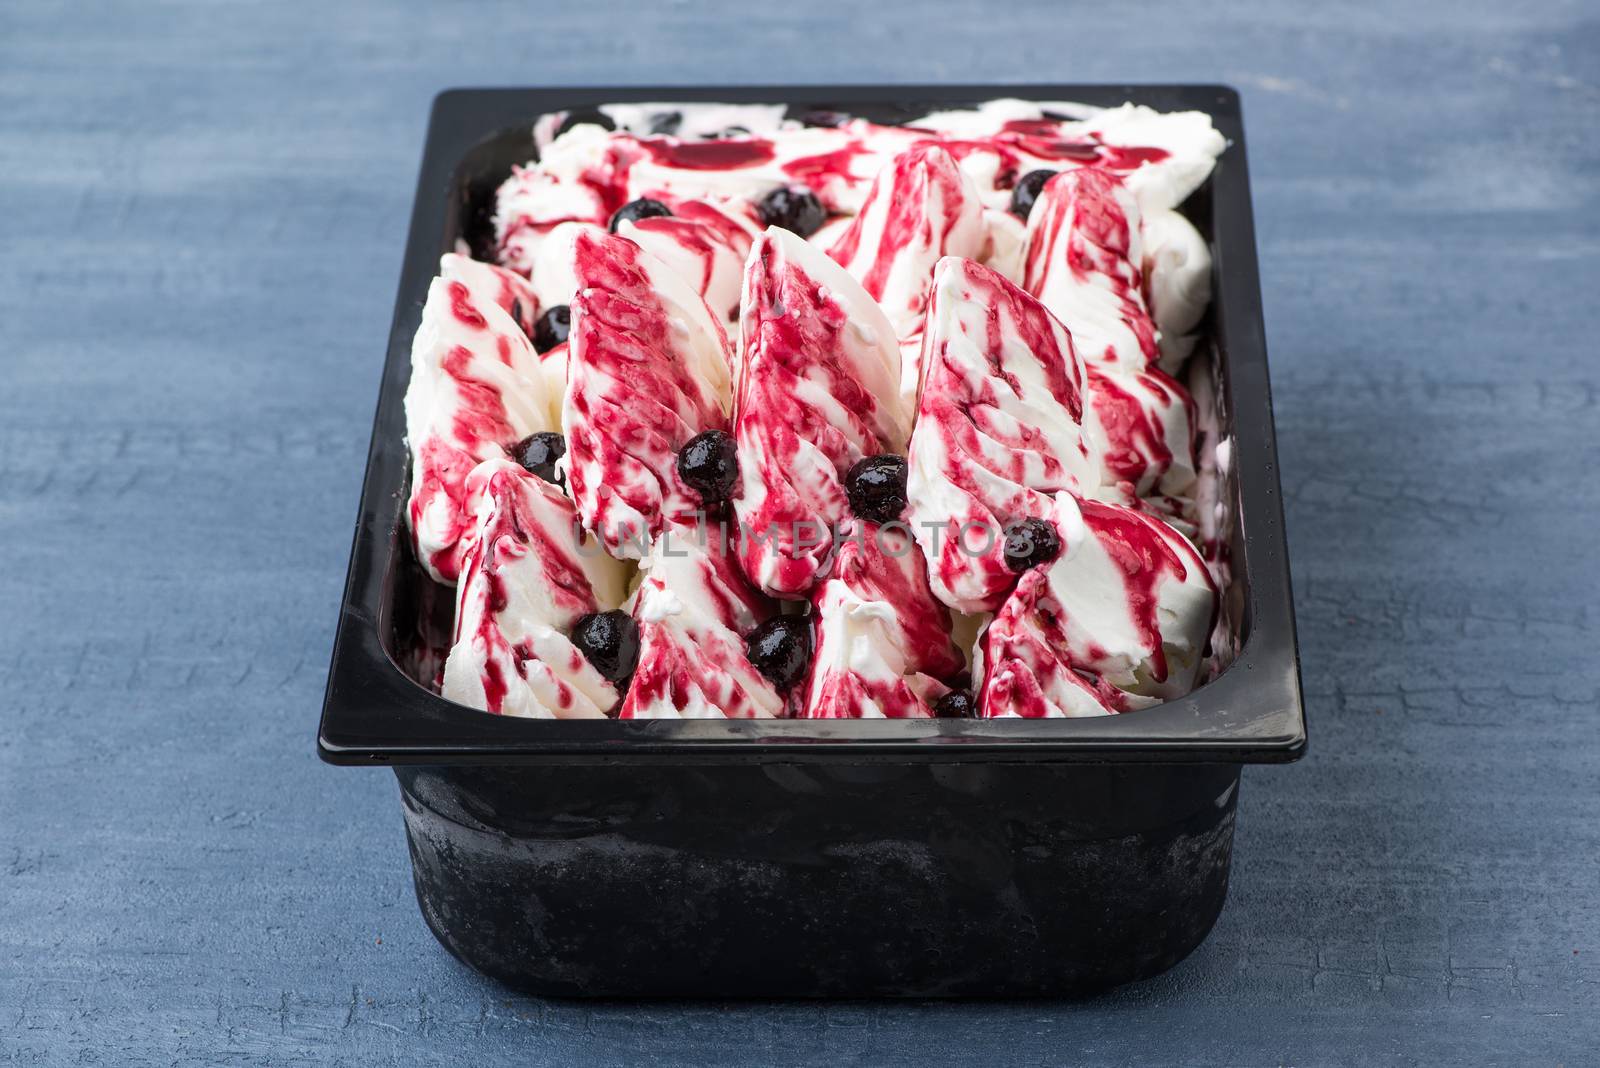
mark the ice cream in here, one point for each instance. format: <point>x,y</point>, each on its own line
<point>507,289</point>
<point>576,179</point>
<point>1178,149</point>
<point>1005,243</point>
<point>882,646</point>
<point>706,244</point>
<point>526,580</point>
<point>1163,156</point>
<point>818,389</point>
<point>720,152</point>
<point>475,391</point>
<point>999,429</point>
<point>1084,262</point>
<point>1087,263</point>
<point>647,370</point>
<point>1140,427</point>
<point>694,610</point>
<point>919,209</point>
<point>797,332</point>
<point>1177,271</point>
<point>1117,622</point>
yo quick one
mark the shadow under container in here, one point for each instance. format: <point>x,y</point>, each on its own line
<point>804,857</point>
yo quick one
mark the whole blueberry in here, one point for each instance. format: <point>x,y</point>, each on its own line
<point>610,641</point>
<point>1027,190</point>
<point>824,118</point>
<point>709,465</point>
<point>634,210</point>
<point>538,453</point>
<point>876,486</point>
<point>592,116</point>
<point>551,328</point>
<point>780,649</point>
<point>666,122</point>
<point>1030,543</point>
<point>796,210</point>
<point>957,704</point>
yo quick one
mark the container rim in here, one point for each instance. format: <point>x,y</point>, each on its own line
<point>373,713</point>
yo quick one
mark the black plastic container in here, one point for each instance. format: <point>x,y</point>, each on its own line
<point>812,857</point>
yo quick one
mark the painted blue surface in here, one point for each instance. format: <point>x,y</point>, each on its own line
<point>202,208</point>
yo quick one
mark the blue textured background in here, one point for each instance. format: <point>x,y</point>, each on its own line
<point>202,207</point>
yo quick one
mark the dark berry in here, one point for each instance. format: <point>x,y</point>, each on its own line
<point>538,454</point>
<point>877,487</point>
<point>796,210</point>
<point>709,465</point>
<point>735,131</point>
<point>634,210</point>
<point>593,116</point>
<point>824,118</point>
<point>610,641</point>
<point>1030,543</point>
<point>666,122</point>
<point>1027,191</point>
<point>551,328</point>
<point>781,649</point>
<point>516,313</point>
<point>957,704</point>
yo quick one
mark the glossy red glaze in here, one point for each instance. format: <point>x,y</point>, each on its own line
<point>733,154</point>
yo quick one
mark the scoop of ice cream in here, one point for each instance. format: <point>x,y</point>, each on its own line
<point>999,429</point>
<point>919,209</point>
<point>506,288</point>
<point>1084,261</point>
<point>647,370</point>
<point>881,641</point>
<point>694,610</point>
<point>475,390</point>
<point>818,389</point>
<point>1140,427</point>
<point>578,178</point>
<point>524,303</point>
<point>706,244</point>
<point>1118,621</point>
<point>1177,271</point>
<point>1175,151</point>
<point>526,579</point>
